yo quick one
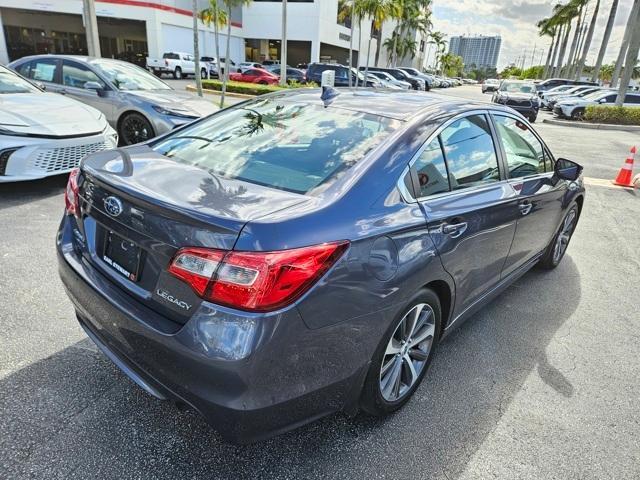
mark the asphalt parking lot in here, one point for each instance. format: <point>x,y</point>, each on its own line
<point>541,384</point>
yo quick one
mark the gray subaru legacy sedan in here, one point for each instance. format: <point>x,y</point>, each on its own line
<point>304,253</point>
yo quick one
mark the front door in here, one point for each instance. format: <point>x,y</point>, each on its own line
<point>539,194</point>
<point>74,77</point>
<point>469,206</point>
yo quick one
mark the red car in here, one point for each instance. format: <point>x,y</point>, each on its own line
<point>255,75</point>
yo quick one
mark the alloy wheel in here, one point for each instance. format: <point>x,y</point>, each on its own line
<point>562,241</point>
<point>407,352</point>
<point>135,130</point>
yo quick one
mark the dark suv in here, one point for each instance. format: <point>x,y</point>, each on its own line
<point>416,83</point>
<point>556,82</point>
<point>314,74</point>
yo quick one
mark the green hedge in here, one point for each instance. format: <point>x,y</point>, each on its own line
<point>612,114</point>
<point>248,88</point>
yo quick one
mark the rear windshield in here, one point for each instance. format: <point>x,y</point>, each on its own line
<point>297,147</point>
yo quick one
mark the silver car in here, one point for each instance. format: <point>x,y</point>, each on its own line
<point>136,103</point>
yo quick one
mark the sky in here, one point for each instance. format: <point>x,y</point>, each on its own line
<point>515,21</point>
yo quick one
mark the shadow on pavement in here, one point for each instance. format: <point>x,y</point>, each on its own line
<point>74,415</point>
<point>20,193</point>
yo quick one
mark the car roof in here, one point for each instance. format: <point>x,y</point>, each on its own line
<point>78,58</point>
<point>397,104</point>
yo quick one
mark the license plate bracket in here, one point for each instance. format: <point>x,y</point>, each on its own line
<point>122,255</point>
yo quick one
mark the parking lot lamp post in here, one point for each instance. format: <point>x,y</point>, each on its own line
<point>283,46</point>
<point>631,57</point>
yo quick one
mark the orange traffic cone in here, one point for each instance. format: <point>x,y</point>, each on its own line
<point>624,176</point>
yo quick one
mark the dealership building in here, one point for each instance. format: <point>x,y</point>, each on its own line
<point>135,29</point>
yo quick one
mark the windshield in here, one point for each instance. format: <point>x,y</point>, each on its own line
<point>517,87</point>
<point>128,77</point>
<point>296,147</point>
<point>595,95</point>
<point>12,83</point>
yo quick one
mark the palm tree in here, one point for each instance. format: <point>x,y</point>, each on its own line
<point>625,44</point>
<point>196,46</point>
<point>565,16</point>
<point>377,11</point>
<point>216,16</point>
<point>631,58</point>
<point>440,43</point>
<point>587,42</point>
<point>576,8</point>
<point>547,28</point>
<point>605,40</point>
<point>229,4</point>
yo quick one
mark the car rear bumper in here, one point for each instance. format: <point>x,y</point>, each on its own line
<point>525,110</point>
<point>250,375</point>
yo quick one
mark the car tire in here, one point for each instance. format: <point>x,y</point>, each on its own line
<point>263,82</point>
<point>177,73</point>
<point>134,128</point>
<point>577,114</point>
<point>203,74</point>
<point>555,251</point>
<point>382,395</point>
<point>532,118</point>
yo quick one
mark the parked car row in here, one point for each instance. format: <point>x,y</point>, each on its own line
<point>180,65</point>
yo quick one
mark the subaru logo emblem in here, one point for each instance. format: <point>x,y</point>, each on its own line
<point>113,206</point>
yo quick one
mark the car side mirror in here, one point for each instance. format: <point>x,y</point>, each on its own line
<point>602,100</point>
<point>41,86</point>
<point>567,170</point>
<point>92,86</point>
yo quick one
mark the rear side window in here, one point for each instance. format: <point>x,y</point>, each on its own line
<point>431,170</point>
<point>525,153</point>
<point>470,153</point>
<point>633,99</point>
<point>43,70</point>
<point>297,147</point>
<point>171,56</point>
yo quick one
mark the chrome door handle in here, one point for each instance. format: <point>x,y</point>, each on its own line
<point>455,229</point>
<point>525,207</point>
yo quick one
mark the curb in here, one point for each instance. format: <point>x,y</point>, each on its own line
<point>192,88</point>
<point>593,126</point>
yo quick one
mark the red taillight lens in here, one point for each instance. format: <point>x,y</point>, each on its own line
<point>259,281</point>
<point>71,198</point>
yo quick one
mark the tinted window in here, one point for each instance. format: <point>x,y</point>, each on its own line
<point>252,73</point>
<point>431,169</point>
<point>525,153</point>
<point>470,153</point>
<point>24,69</point>
<point>298,147</point>
<point>632,99</point>
<point>43,70</point>
<point>76,75</point>
<point>171,56</point>
<point>610,98</point>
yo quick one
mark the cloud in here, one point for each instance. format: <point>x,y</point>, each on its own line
<point>515,21</point>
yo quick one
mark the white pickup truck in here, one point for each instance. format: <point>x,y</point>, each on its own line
<point>178,64</point>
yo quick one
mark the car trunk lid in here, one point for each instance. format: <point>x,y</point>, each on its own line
<point>139,207</point>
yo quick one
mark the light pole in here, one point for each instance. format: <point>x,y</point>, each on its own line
<point>283,46</point>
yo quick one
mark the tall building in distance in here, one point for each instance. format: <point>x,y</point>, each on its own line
<point>478,51</point>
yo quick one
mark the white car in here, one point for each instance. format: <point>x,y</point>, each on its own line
<point>574,108</point>
<point>44,134</point>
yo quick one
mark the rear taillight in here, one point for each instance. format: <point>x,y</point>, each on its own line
<point>71,198</point>
<point>258,281</point>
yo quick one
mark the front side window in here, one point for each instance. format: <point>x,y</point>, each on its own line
<point>470,153</point>
<point>12,83</point>
<point>76,75</point>
<point>431,170</point>
<point>525,153</point>
<point>287,145</point>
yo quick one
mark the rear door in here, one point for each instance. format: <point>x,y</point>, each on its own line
<point>46,71</point>
<point>469,205</point>
<point>539,196</point>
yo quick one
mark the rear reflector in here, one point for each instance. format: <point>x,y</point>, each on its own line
<point>257,281</point>
<point>71,198</point>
